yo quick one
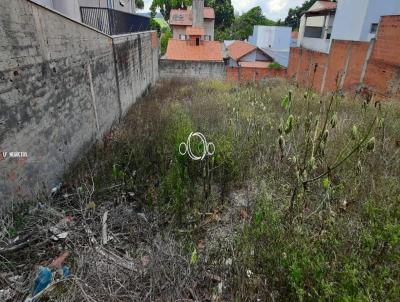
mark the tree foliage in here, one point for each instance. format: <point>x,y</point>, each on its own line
<point>227,25</point>
<point>164,41</point>
<point>243,26</point>
<point>165,6</point>
<point>224,13</point>
<point>139,4</point>
<point>293,18</point>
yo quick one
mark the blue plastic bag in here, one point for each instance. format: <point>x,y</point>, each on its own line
<point>43,279</point>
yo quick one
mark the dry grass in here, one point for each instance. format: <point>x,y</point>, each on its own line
<point>248,223</point>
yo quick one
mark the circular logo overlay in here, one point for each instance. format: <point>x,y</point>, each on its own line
<point>208,148</point>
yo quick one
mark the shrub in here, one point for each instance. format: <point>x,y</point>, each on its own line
<point>164,41</point>
<point>275,65</point>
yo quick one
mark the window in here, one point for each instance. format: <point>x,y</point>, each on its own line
<point>313,32</point>
<point>182,37</point>
<point>197,41</point>
<point>374,28</point>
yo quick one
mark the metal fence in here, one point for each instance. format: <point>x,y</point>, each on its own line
<point>114,22</point>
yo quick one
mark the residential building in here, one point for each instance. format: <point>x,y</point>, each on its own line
<point>274,41</point>
<point>196,16</point>
<point>294,37</point>
<point>192,41</point>
<point>194,48</point>
<point>247,55</point>
<point>352,20</point>
<point>71,8</point>
<point>316,26</point>
<point>358,20</point>
<point>112,17</point>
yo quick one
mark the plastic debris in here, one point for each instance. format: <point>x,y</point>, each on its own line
<point>60,236</point>
<point>143,216</point>
<point>47,276</point>
<point>66,271</point>
<point>56,189</point>
<point>42,281</point>
<point>59,229</point>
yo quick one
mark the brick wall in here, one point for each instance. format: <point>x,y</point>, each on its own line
<point>383,71</point>
<point>351,65</point>
<point>250,74</point>
<point>137,65</point>
<point>60,89</point>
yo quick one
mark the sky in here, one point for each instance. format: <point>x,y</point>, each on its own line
<point>273,9</point>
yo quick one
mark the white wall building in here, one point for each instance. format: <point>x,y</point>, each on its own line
<point>358,20</point>
<point>316,26</point>
<point>71,8</point>
<point>355,20</point>
<point>274,40</point>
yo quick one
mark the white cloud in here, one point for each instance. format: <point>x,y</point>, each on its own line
<point>277,5</point>
<point>147,4</point>
<point>272,9</point>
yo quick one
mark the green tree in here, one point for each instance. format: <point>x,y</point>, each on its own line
<point>242,28</point>
<point>164,41</point>
<point>294,15</point>
<point>221,34</point>
<point>224,13</point>
<point>139,4</point>
<point>165,6</point>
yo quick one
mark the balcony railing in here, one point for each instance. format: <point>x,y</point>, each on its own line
<point>114,22</point>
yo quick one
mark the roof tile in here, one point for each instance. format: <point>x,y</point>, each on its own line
<point>323,6</point>
<point>239,49</point>
<point>185,51</point>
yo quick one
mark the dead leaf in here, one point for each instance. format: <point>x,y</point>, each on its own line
<point>145,260</point>
<point>91,205</point>
<point>244,214</point>
<point>201,245</point>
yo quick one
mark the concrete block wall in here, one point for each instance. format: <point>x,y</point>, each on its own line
<point>351,64</point>
<point>137,65</point>
<point>192,69</point>
<point>62,85</point>
<point>215,71</point>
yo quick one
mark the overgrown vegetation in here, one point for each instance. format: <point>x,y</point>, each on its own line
<point>301,200</point>
<point>165,36</point>
<point>275,65</point>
